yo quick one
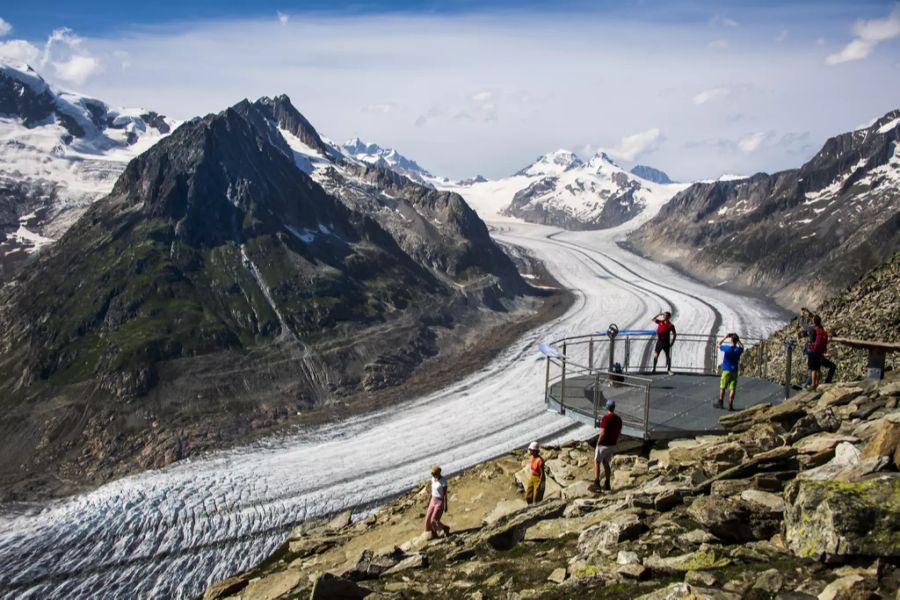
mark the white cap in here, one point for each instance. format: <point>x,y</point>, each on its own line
<point>533,446</point>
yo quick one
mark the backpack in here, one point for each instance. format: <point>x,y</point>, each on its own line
<point>820,346</point>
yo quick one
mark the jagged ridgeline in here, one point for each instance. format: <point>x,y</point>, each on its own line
<point>800,235</point>
<point>218,273</point>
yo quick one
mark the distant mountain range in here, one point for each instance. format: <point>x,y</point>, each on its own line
<point>800,235</point>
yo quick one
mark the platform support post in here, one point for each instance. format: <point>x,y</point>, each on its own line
<point>789,346</point>
<point>547,383</point>
<point>713,357</point>
<point>612,353</point>
<point>875,368</point>
<point>647,412</point>
<point>562,383</point>
<point>627,354</point>
<point>597,397</point>
<point>591,353</point>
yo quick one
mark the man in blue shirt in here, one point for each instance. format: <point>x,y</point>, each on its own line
<point>730,365</point>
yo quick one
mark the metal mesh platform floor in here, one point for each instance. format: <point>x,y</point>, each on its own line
<point>681,405</point>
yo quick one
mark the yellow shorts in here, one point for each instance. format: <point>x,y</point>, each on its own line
<point>729,380</point>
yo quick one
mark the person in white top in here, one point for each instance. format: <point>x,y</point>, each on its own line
<point>437,504</point>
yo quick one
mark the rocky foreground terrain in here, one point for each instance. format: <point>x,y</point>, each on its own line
<point>799,500</point>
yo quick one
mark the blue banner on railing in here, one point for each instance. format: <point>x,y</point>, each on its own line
<point>548,350</point>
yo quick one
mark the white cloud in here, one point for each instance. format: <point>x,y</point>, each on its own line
<point>718,44</point>
<point>782,36</point>
<point>753,141</point>
<point>721,21</point>
<point>77,69</point>
<point>596,81</point>
<point>5,27</point>
<point>63,54</point>
<point>867,35</point>
<point>21,52</point>
<point>635,145</point>
<point>283,18</point>
<point>710,95</point>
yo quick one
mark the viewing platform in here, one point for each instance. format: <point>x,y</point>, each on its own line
<point>584,372</point>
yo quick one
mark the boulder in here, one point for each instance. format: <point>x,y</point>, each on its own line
<point>551,488</point>
<point>502,509</point>
<point>633,571</point>
<point>702,559</point>
<point>370,566</point>
<point>886,441</point>
<point>332,587</point>
<point>834,518</point>
<point>770,581</point>
<point>732,520</point>
<point>509,530</point>
<point>684,591</point>
<point>558,575</point>
<point>822,442</point>
<point>225,588</point>
<point>579,489</point>
<point>763,501</point>
<point>416,560</point>
<point>838,396</point>
<point>743,420</point>
<point>626,557</point>
<point>823,420</point>
<point>604,536</point>
<point>339,521</point>
<point>849,587</point>
<point>700,578</point>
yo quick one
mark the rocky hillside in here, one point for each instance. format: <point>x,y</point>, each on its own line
<point>59,152</point>
<point>867,310</point>
<point>800,501</point>
<point>219,290</point>
<point>800,235</point>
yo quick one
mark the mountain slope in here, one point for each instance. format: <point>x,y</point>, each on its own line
<point>219,288</point>
<point>58,152</point>
<point>800,235</point>
<point>650,174</point>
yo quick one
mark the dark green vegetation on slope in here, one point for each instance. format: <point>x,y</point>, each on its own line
<point>219,289</point>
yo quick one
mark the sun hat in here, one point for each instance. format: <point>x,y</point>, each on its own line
<point>533,446</point>
<point>611,404</point>
<point>435,470</point>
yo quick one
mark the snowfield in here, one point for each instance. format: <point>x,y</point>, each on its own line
<point>172,532</point>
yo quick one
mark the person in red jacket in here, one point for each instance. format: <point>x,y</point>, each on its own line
<point>610,428</point>
<point>665,337</point>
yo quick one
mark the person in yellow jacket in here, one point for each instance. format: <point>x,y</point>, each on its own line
<point>534,490</point>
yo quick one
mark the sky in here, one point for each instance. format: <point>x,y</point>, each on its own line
<point>698,89</point>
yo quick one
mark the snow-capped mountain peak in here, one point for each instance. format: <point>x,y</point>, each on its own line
<point>59,151</point>
<point>374,154</point>
<point>553,163</point>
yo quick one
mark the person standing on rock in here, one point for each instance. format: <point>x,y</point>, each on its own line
<point>665,338</point>
<point>534,489</point>
<point>730,366</point>
<point>816,348</point>
<point>610,428</point>
<point>437,506</point>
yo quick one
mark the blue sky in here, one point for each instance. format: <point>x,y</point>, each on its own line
<point>696,88</point>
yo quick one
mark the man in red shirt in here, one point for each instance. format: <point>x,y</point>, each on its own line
<point>665,337</point>
<point>610,428</point>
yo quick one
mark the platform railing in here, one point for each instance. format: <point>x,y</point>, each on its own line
<point>615,367</point>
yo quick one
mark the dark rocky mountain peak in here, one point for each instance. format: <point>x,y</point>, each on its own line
<point>651,174</point>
